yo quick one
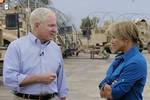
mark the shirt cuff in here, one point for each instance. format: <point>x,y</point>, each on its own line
<point>115,93</point>
<point>21,77</point>
<point>63,94</point>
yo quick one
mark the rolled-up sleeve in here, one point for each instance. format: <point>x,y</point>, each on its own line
<point>12,75</point>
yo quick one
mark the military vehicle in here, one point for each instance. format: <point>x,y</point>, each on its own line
<point>98,43</point>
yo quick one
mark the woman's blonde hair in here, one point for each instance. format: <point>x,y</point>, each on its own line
<point>125,30</point>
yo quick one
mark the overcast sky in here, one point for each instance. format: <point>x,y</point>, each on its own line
<point>78,9</point>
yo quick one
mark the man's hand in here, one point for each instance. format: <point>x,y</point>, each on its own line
<point>33,79</point>
<point>105,92</point>
<point>46,78</point>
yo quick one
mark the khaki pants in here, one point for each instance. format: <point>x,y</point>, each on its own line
<point>20,98</point>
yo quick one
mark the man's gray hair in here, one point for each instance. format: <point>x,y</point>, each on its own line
<point>39,15</point>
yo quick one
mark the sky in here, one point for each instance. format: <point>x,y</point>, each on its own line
<point>78,9</point>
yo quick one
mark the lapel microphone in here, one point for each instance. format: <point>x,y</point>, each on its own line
<point>42,53</point>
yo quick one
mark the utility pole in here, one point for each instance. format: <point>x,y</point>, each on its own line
<point>17,17</point>
<point>18,29</point>
<point>28,14</point>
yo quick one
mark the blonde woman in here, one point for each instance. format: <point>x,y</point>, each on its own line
<point>125,79</point>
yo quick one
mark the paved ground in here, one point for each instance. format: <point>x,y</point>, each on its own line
<point>83,75</point>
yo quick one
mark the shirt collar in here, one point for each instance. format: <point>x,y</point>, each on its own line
<point>36,40</point>
<point>131,52</point>
<point>32,37</point>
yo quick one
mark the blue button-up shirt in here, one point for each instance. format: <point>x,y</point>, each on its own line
<point>129,77</point>
<point>27,56</point>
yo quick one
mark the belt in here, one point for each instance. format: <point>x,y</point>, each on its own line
<point>36,97</point>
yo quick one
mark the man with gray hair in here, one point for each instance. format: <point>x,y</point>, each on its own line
<point>33,64</point>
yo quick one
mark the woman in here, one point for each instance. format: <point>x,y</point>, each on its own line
<point>126,77</point>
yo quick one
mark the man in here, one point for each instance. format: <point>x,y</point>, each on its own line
<point>126,76</point>
<point>33,64</point>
